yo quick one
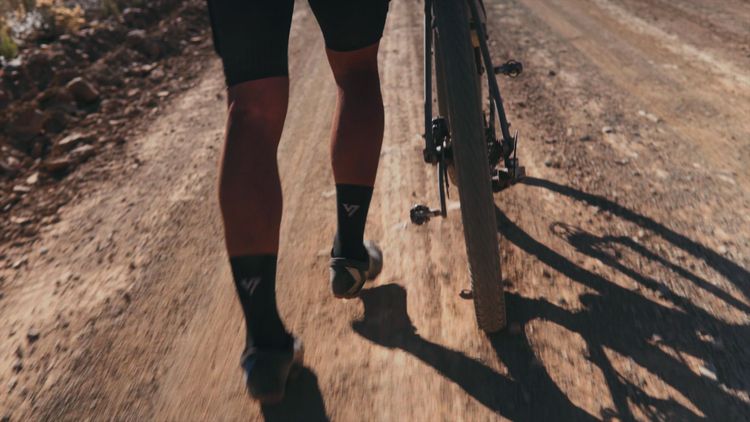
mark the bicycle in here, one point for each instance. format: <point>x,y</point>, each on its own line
<point>463,135</point>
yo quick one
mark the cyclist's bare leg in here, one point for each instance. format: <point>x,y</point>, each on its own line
<point>250,201</point>
<point>358,121</point>
<point>249,186</point>
<point>355,153</point>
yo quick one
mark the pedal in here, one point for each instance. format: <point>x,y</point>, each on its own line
<point>421,214</point>
<point>511,68</point>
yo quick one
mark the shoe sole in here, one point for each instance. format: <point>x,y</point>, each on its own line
<point>294,371</point>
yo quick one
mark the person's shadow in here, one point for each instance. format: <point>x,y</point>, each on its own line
<point>387,323</point>
<point>302,401</point>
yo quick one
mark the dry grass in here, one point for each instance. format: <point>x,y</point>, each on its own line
<point>58,19</point>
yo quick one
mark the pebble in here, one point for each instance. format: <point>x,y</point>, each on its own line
<point>652,117</point>
<point>21,189</point>
<point>82,90</point>
<point>20,220</point>
<point>73,140</point>
<point>33,179</point>
<point>16,265</point>
<point>83,152</point>
<point>33,335</point>
<point>550,162</point>
<point>58,164</point>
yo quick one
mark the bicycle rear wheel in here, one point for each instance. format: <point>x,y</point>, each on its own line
<point>457,81</point>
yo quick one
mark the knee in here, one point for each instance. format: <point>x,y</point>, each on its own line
<point>263,100</point>
<point>355,69</point>
<point>255,111</point>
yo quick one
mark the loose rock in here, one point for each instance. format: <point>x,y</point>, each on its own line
<point>56,165</point>
<point>138,40</point>
<point>19,262</point>
<point>83,152</point>
<point>652,117</point>
<point>20,220</point>
<point>83,91</point>
<point>33,335</point>
<point>21,189</point>
<point>134,16</point>
<point>33,179</point>
<point>27,124</point>
<point>71,141</point>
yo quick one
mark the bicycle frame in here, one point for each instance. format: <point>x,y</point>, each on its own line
<point>505,148</point>
<point>508,143</point>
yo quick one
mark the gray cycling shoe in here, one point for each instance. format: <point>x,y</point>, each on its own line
<point>348,276</point>
<point>267,371</point>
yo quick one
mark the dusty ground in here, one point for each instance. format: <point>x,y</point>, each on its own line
<point>625,252</point>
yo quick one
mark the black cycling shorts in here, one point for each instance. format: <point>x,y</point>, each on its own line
<point>252,36</point>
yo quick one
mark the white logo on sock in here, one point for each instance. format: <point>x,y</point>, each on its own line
<point>250,284</point>
<point>350,209</point>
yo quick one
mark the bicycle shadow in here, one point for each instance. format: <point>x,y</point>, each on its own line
<point>302,401</point>
<point>386,322</point>
<point>614,317</point>
<point>732,271</point>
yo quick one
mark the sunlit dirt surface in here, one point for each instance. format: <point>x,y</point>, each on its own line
<point>625,252</point>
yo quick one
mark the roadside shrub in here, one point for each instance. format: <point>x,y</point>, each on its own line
<point>58,19</point>
<point>8,47</point>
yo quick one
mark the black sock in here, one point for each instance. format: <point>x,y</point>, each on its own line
<point>255,280</point>
<point>353,204</point>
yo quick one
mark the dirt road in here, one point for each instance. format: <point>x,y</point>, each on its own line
<point>626,252</point>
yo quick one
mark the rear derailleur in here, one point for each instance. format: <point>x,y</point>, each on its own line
<point>512,172</point>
